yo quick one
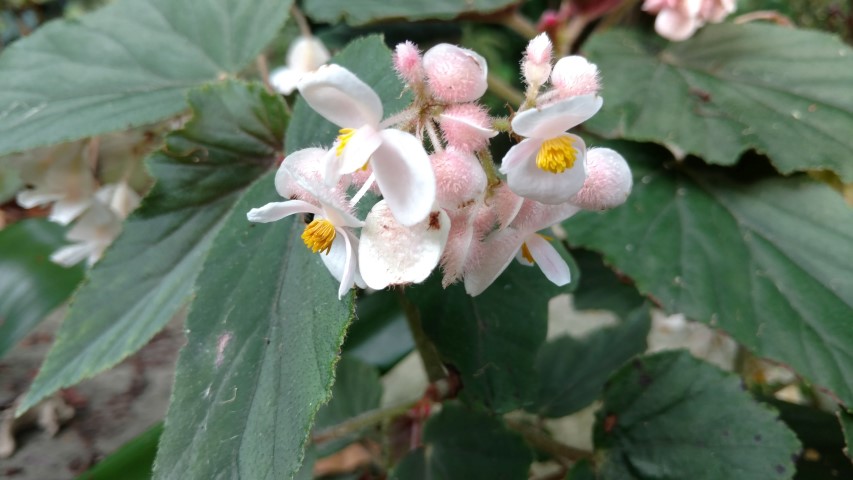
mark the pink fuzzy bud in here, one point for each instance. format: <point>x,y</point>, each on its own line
<point>459,179</point>
<point>608,181</point>
<point>466,126</point>
<point>574,76</point>
<point>455,74</point>
<point>407,62</point>
<point>536,65</point>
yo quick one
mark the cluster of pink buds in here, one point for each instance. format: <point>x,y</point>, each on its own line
<point>443,203</point>
<point>679,19</point>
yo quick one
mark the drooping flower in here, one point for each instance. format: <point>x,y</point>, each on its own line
<point>548,166</point>
<point>329,219</point>
<point>305,54</point>
<point>398,159</point>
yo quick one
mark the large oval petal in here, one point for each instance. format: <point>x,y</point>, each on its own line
<point>340,97</point>
<point>404,175</point>
<point>554,119</point>
<point>548,260</point>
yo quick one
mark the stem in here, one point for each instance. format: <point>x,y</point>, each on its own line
<point>488,165</point>
<point>429,355</point>
<point>504,90</point>
<point>520,25</point>
<point>264,71</point>
<point>301,21</point>
<point>362,421</point>
<point>569,34</point>
<point>544,442</point>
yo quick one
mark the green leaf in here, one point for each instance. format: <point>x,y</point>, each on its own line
<point>670,415</point>
<point>490,339</point>
<point>466,444</point>
<point>10,182</point>
<point>781,91</point>
<point>264,334</point>
<point>30,284</point>
<point>767,261</point>
<point>573,372</point>
<point>846,419</point>
<point>370,60</point>
<point>359,12</point>
<point>583,470</point>
<point>125,65</point>
<point>133,461</point>
<point>147,274</point>
<point>357,390</point>
<point>379,335</point>
<point>600,288</point>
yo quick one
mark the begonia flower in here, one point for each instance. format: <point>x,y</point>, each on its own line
<point>92,234</point>
<point>398,159</point>
<point>548,166</point>
<point>64,179</point>
<point>329,219</point>
<point>305,54</point>
<point>678,20</point>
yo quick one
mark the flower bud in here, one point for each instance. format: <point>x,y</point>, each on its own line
<point>407,62</point>
<point>536,66</point>
<point>455,74</point>
<point>608,181</point>
<point>466,126</point>
<point>573,76</point>
<point>459,178</point>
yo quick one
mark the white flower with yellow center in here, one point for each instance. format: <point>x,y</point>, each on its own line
<point>548,166</point>
<point>400,164</point>
<point>328,221</point>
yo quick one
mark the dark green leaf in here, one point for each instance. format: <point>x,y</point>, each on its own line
<point>357,390</point>
<point>30,284</point>
<point>263,337</point>
<point>768,261</point>
<point>379,335</point>
<point>600,288</point>
<point>846,419</point>
<point>370,60</point>
<point>466,444</point>
<point>148,273</point>
<point>10,183</point>
<point>490,339</point>
<point>128,64</point>
<point>670,415</point>
<point>133,461</point>
<point>582,470</point>
<point>782,91</point>
<point>572,372</point>
<point>358,12</point>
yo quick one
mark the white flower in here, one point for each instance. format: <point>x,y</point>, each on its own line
<point>328,231</point>
<point>304,55</point>
<point>93,233</point>
<point>402,168</point>
<point>548,166</point>
<point>62,178</point>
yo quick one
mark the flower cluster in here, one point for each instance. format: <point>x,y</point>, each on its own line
<point>442,200</point>
<point>679,19</point>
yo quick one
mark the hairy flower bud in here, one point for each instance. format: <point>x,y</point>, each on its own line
<point>455,74</point>
<point>407,62</point>
<point>608,181</point>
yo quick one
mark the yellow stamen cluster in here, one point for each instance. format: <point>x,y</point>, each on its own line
<point>556,155</point>
<point>344,136</point>
<point>525,253</point>
<point>319,235</point>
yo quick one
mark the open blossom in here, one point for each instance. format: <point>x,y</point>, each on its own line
<point>65,180</point>
<point>304,55</point>
<point>328,230</point>
<point>398,159</point>
<point>679,19</point>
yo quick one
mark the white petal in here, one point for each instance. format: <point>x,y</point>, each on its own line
<point>358,149</point>
<point>64,211</point>
<point>554,119</point>
<point>298,168</point>
<point>71,254</point>
<point>35,197</point>
<point>341,97</point>
<point>549,260</point>
<point>341,261</point>
<point>404,176</point>
<point>277,210</point>
<point>501,247</point>
<point>520,154</point>
<point>306,54</point>
<point>284,79</point>
<point>529,181</point>
<point>675,26</point>
<point>393,254</point>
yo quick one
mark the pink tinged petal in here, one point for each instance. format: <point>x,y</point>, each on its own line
<point>555,118</point>
<point>342,98</point>
<point>497,252</point>
<point>529,181</point>
<point>393,254</point>
<point>548,260</point>
<point>458,246</point>
<point>300,168</point>
<point>675,26</point>
<point>278,210</point>
<point>404,175</point>
<point>341,261</point>
<point>340,216</point>
<point>358,150</point>
<point>608,180</point>
<point>506,204</point>
<point>284,79</point>
<point>520,154</point>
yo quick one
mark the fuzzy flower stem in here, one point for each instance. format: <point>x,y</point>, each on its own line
<point>488,165</point>
<point>399,118</point>
<point>429,355</point>
<point>504,90</point>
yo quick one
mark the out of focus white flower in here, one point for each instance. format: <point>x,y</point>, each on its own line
<point>304,55</point>
<point>679,19</point>
<point>62,177</point>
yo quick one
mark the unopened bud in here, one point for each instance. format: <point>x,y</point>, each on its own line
<point>574,76</point>
<point>455,74</point>
<point>608,181</point>
<point>466,126</point>
<point>407,62</point>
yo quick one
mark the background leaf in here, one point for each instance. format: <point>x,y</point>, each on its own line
<point>263,337</point>
<point>782,91</point>
<point>670,415</point>
<point>600,288</point>
<point>767,261</point>
<point>572,372</point>
<point>125,65</point>
<point>132,461</point>
<point>358,12</point>
<point>379,334</point>
<point>465,444</point>
<point>146,276</point>
<point>846,419</point>
<point>30,284</point>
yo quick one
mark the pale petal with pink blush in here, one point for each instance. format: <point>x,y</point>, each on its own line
<point>459,243</point>
<point>394,254</point>
<point>676,26</point>
<point>496,253</point>
<point>304,165</point>
<point>555,118</point>
<point>549,260</point>
<point>505,204</point>
<point>341,262</point>
<point>340,97</point>
<point>274,211</point>
<point>608,180</point>
<point>526,179</point>
<point>575,75</point>
<point>404,175</point>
